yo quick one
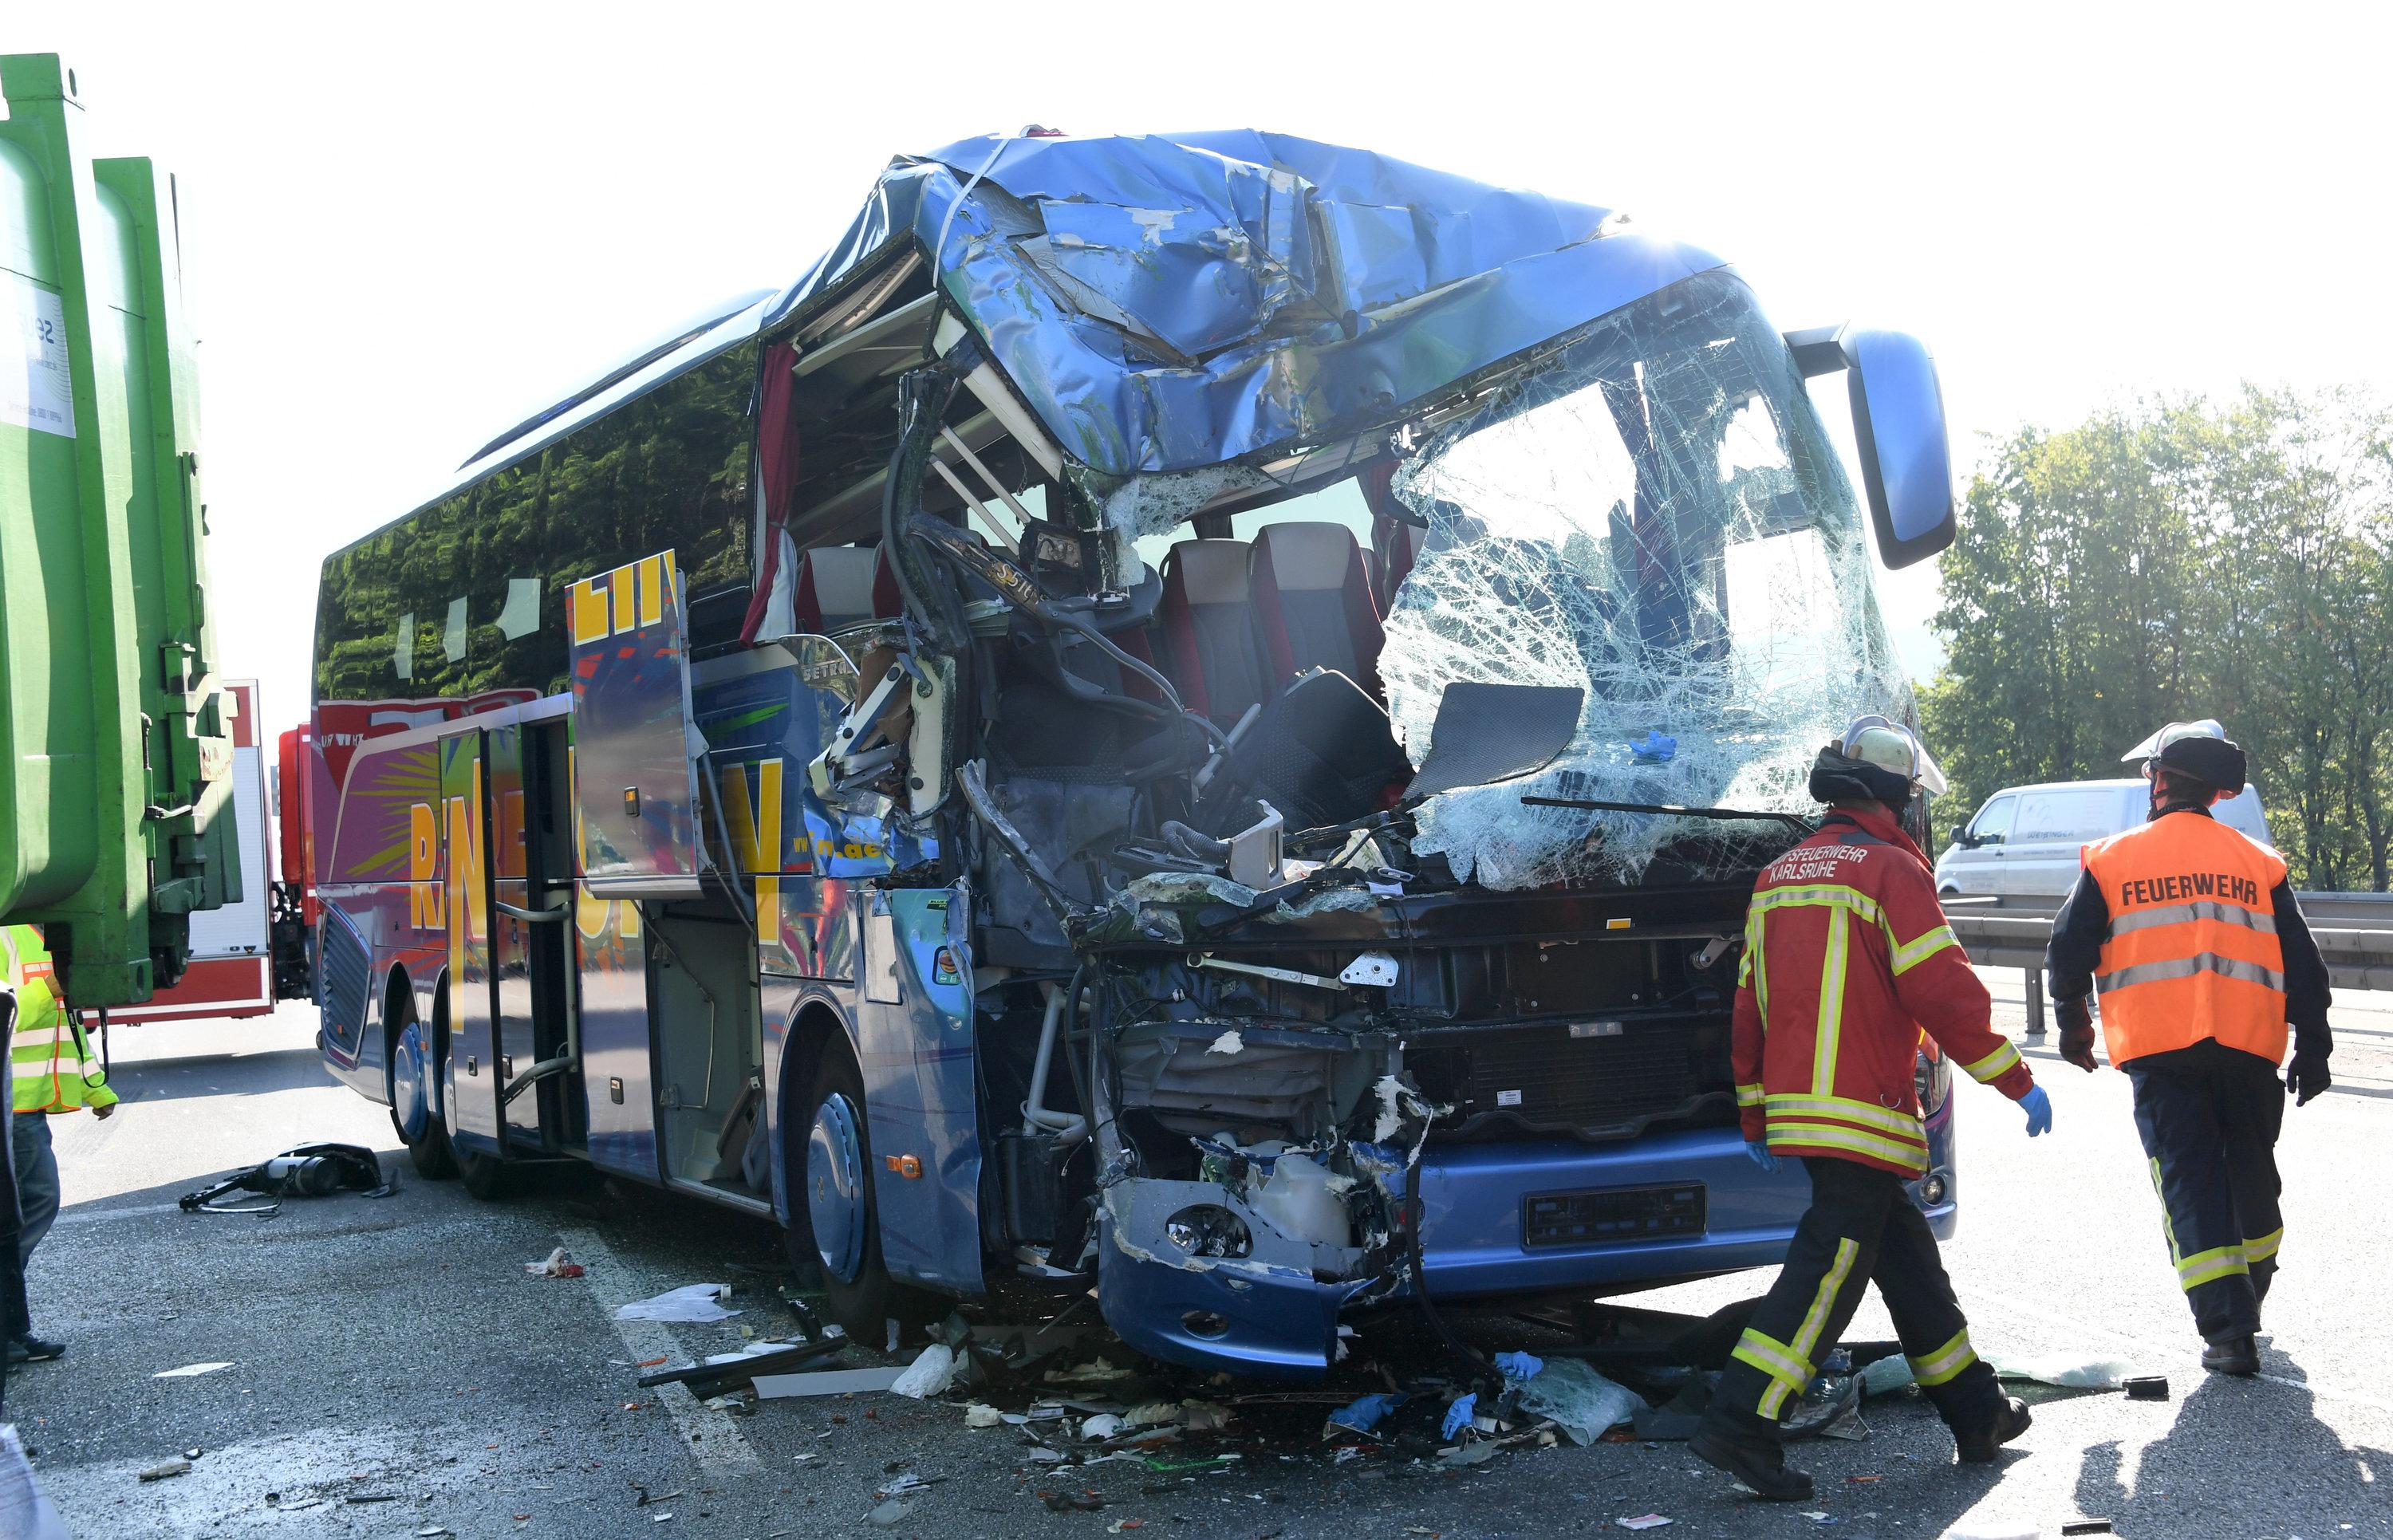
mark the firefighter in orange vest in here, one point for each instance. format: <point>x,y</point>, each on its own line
<point>1847,960</point>
<point>2193,933</point>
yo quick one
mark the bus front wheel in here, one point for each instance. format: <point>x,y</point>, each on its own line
<point>842,1212</point>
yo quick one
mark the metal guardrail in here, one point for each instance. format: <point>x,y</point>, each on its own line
<point>2354,931</point>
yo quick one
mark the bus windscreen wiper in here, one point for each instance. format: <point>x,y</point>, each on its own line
<point>1791,820</point>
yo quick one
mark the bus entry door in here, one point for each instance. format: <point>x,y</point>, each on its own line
<point>474,1072</point>
<point>509,984</point>
<point>532,911</point>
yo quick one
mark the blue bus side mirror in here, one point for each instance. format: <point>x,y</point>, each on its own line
<point>1899,428</point>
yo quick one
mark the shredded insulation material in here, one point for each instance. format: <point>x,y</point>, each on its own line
<point>1657,519</point>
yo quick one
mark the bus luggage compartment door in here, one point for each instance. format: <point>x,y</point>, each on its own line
<point>635,744</point>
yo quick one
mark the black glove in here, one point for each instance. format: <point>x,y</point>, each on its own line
<point>2307,1077</point>
<point>2076,1032</point>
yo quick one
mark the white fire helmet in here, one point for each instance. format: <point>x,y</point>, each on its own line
<point>1874,740</point>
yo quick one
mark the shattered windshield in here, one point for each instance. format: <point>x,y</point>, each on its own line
<point>1656,517</point>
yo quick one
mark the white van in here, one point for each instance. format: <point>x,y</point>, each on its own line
<point>2026,839</point>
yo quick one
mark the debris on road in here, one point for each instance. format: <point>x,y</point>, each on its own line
<point>1581,1402</point>
<point>825,1382</point>
<point>889,1513</point>
<point>1643,1521</point>
<point>1360,1416</point>
<point>1886,1376</point>
<point>691,1303</point>
<point>720,1374</point>
<point>929,1375</point>
<point>1519,1367</point>
<point>2066,1370</point>
<point>305,1170</point>
<point>171,1468</point>
<point>558,1265</point>
<point>188,1370</point>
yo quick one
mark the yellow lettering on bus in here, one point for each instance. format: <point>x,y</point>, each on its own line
<point>652,589</point>
<point>467,917</point>
<point>589,619</point>
<point>424,868</point>
<point>619,583</point>
<point>756,833</point>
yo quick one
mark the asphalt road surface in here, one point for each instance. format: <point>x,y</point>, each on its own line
<point>393,1371</point>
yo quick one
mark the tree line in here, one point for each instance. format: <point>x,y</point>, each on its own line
<point>2176,559</point>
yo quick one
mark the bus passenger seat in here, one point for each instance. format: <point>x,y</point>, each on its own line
<point>1208,629</point>
<point>1312,602</point>
<point>833,589</point>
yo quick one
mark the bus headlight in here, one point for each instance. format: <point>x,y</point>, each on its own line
<point>1209,1230</point>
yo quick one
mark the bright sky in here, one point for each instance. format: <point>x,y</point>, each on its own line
<point>406,229</point>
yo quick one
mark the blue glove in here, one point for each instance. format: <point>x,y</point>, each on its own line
<point>2039,1111</point>
<point>1759,1153</point>
<point>1459,1413</point>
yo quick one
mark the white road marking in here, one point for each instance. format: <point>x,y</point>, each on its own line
<point>94,1216</point>
<point>710,1436</point>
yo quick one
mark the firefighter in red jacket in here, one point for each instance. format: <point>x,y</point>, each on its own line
<point>1848,960</point>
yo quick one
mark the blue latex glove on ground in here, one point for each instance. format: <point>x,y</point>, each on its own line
<point>1458,1414</point>
<point>1759,1155</point>
<point>2039,1111</point>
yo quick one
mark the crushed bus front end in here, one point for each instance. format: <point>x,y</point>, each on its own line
<point>1356,766</point>
<point>1194,717</point>
<point>1543,1079</point>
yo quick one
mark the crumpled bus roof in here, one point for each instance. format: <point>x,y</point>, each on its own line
<point>1170,303</point>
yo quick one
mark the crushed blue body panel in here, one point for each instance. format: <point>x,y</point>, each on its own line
<point>1170,303</point>
<point>915,1041</point>
<point>1284,1324</point>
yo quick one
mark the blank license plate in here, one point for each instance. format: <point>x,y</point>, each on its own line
<point>1612,1215</point>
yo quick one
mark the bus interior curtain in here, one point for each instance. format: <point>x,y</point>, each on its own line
<point>776,469</point>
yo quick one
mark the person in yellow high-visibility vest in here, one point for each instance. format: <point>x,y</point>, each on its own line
<point>51,1070</point>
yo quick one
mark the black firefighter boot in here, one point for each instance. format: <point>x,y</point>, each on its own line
<point>1749,1449</point>
<point>1977,1444</point>
<point>2237,1355</point>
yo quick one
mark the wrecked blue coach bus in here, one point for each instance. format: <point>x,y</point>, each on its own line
<point>1195,714</point>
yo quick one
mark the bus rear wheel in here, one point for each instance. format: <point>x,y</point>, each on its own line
<point>415,1098</point>
<point>842,1212</point>
<point>484,1176</point>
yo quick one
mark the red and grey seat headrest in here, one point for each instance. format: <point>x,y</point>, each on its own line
<point>834,588</point>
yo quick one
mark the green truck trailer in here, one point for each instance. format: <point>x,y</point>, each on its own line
<point>115,770</point>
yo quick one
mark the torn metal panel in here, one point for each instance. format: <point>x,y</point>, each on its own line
<point>1282,1084</point>
<point>1655,518</point>
<point>1165,303</point>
